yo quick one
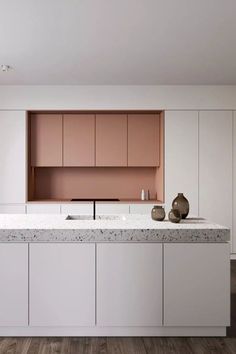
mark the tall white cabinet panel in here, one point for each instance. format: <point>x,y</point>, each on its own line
<point>234,189</point>
<point>181,157</point>
<point>129,284</point>
<point>197,284</point>
<point>62,284</point>
<point>13,157</point>
<point>14,284</point>
<point>215,166</point>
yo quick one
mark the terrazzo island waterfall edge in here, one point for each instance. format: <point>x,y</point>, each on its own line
<point>115,276</point>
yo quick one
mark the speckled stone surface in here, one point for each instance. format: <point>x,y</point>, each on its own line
<point>123,228</point>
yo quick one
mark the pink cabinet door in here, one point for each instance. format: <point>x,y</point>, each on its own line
<point>79,140</point>
<point>111,140</point>
<point>46,139</point>
<point>143,139</point>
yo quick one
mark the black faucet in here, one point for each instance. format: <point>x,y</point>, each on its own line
<point>94,209</point>
<point>94,202</point>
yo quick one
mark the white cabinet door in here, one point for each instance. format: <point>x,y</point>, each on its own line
<point>13,157</point>
<point>141,208</point>
<point>77,209</point>
<point>197,284</point>
<point>234,187</point>
<point>129,284</point>
<point>181,157</point>
<point>111,208</point>
<point>62,284</point>
<point>215,166</point>
<point>43,208</point>
<point>14,284</point>
<point>12,209</point>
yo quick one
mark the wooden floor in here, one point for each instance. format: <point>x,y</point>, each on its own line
<point>129,345</point>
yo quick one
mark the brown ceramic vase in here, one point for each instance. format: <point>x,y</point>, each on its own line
<point>181,204</point>
<point>158,213</point>
<point>174,216</point>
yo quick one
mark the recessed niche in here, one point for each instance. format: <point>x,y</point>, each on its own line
<point>50,177</point>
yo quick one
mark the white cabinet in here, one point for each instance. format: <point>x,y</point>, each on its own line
<point>234,187</point>
<point>181,157</point>
<point>77,209</point>
<point>13,157</point>
<point>62,284</point>
<point>112,208</point>
<point>215,166</point>
<point>14,284</point>
<point>141,208</point>
<point>41,208</point>
<point>196,284</point>
<point>129,284</point>
<point>12,209</point>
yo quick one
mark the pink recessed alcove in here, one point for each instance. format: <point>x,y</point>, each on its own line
<point>98,182</point>
<point>95,154</point>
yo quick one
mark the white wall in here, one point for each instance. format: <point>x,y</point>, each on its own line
<point>118,97</point>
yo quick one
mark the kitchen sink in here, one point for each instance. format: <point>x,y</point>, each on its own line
<point>110,217</point>
<point>98,217</point>
<point>79,217</point>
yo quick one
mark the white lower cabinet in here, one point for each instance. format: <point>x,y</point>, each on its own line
<point>196,284</point>
<point>12,209</point>
<point>43,208</point>
<point>77,208</point>
<point>112,208</point>
<point>129,284</point>
<point>133,288</point>
<point>141,208</point>
<point>14,284</point>
<point>62,284</point>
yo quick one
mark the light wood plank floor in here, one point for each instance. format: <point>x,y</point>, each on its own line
<point>129,345</point>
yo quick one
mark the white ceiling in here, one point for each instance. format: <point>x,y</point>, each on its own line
<point>118,42</point>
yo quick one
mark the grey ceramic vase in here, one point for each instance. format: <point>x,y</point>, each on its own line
<point>158,213</point>
<point>174,215</point>
<point>181,203</point>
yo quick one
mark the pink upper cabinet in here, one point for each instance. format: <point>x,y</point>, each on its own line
<point>46,139</point>
<point>111,140</point>
<point>143,139</point>
<point>79,140</point>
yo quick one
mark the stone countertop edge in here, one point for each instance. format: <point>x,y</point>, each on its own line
<point>114,235</point>
<point>138,228</point>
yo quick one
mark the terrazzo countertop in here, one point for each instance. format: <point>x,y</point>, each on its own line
<point>122,228</point>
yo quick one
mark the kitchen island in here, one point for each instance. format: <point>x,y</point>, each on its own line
<point>121,275</point>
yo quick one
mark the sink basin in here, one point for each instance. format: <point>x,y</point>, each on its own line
<point>98,217</point>
<point>110,217</point>
<point>79,217</point>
